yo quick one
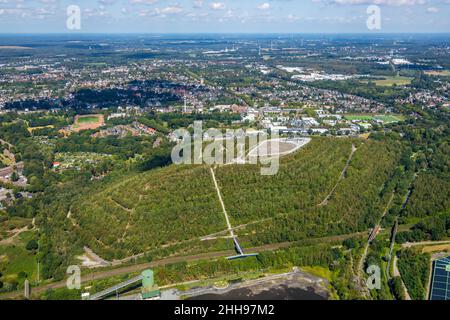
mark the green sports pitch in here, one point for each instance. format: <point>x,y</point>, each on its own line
<point>384,118</point>
<point>88,120</point>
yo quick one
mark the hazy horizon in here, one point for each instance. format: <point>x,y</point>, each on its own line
<point>225,16</point>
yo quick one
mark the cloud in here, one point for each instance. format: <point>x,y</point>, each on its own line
<point>432,10</point>
<point>169,10</point>
<point>198,4</point>
<point>143,1</point>
<point>102,2</point>
<point>376,2</point>
<point>264,6</point>
<point>161,13</point>
<point>217,6</point>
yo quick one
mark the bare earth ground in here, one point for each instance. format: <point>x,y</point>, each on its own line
<point>285,146</point>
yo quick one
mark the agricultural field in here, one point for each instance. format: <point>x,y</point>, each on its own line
<point>390,81</point>
<point>445,73</point>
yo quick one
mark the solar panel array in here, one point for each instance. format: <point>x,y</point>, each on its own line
<point>440,286</point>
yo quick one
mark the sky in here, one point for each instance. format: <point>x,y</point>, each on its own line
<point>225,16</point>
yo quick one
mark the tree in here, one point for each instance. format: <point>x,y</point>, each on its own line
<point>14,176</point>
<point>32,245</point>
<point>397,288</point>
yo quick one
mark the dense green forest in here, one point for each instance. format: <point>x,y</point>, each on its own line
<point>144,204</point>
<point>131,213</point>
<point>414,268</point>
<point>355,205</point>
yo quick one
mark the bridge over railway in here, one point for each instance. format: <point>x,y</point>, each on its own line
<point>114,289</point>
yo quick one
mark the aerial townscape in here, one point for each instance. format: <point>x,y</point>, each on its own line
<point>357,209</point>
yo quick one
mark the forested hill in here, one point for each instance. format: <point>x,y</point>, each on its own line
<point>166,211</point>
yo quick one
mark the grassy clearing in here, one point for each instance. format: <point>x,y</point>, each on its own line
<point>438,247</point>
<point>5,160</point>
<point>15,259</point>
<point>88,120</point>
<point>390,81</point>
<point>31,129</point>
<point>359,117</point>
<point>385,118</point>
<point>389,118</point>
<point>319,271</point>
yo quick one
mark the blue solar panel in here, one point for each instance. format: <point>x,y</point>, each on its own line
<point>440,278</point>
<point>440,272</point>
<point>440,285</point>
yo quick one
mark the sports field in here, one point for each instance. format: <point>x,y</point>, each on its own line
<point>385,118</point>
<point>88,120</point>
<point>85,122</point>
<point>389,118</point>
<point>359,117</point>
